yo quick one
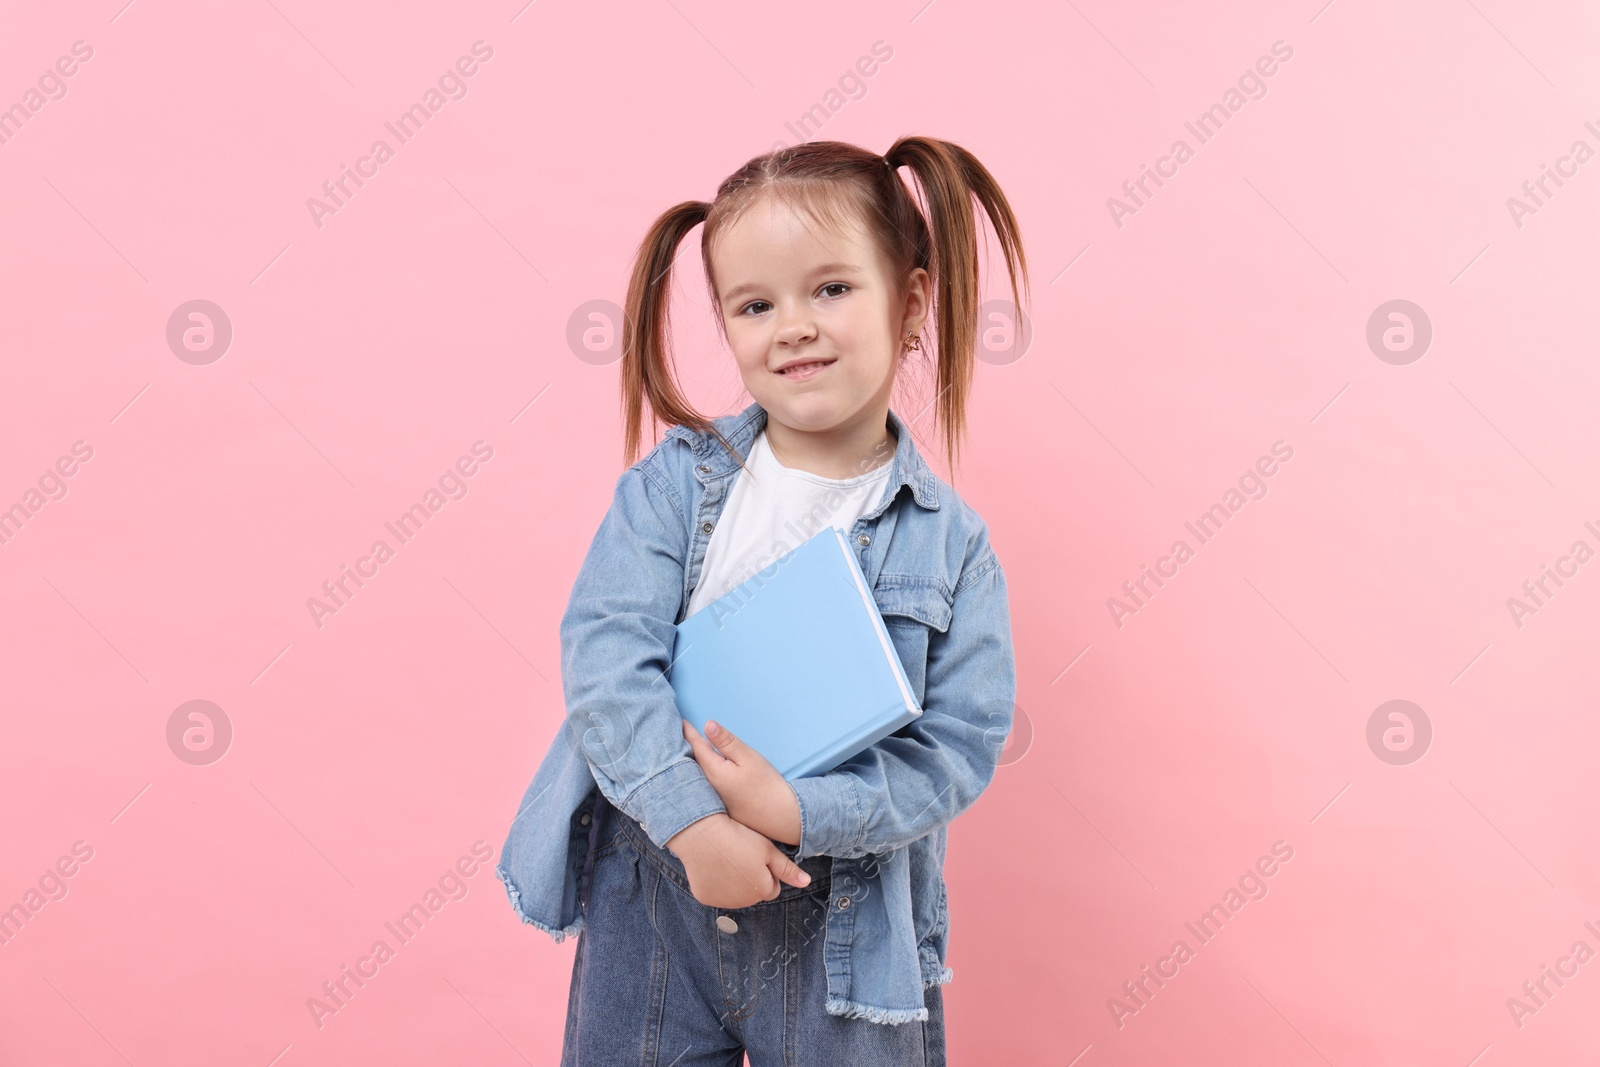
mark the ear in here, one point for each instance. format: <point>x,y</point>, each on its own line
<point>918,302</point>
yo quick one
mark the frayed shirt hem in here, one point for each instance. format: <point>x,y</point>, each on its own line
<point>557,933</point>
<point>849,1009</point>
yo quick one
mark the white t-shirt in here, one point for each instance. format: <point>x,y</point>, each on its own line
<point>774,512</point>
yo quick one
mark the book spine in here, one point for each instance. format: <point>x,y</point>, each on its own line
<point>876,617</point>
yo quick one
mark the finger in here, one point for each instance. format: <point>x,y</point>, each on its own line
<point>697,744</point>
<point>729,745</point>
<point>777,887</point>
<point>786,870</point>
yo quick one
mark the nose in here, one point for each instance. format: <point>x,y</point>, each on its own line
<point>795,326</point>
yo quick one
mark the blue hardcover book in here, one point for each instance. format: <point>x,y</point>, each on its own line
<point>795,661</point>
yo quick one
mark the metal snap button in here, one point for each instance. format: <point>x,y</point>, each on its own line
<point>583,820</point>
<point>726,924</point>
<point>844,902</point>
<point>705,527</point>
<point>864,540</point>
<point>703,469</point>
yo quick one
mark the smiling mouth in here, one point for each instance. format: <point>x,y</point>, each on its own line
<point>805,370</point>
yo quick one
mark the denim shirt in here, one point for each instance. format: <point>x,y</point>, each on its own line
<point>880,816</point>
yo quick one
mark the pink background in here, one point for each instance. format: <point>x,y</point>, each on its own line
<point>1168,354</point>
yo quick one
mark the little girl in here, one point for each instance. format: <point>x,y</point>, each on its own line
<point>723,910</point>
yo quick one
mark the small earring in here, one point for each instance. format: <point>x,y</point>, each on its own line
<point>913,343</point>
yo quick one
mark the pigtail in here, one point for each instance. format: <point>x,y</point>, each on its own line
<point>648,373</point>
<point>835,183</point>
<point>950,177</point>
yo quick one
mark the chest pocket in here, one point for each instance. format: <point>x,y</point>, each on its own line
<point>913,608</point>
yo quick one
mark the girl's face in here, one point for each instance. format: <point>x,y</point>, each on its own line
<point>812,318</point>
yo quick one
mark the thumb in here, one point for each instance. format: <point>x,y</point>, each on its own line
<point>786,870</point>
<point>697,744</point>
<point>729,745</point>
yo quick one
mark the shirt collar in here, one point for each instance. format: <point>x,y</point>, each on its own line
<point>906,468</point>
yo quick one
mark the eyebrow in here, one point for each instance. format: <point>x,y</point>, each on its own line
<point>826,268</point>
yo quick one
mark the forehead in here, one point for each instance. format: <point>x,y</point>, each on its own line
<point>771,232</point>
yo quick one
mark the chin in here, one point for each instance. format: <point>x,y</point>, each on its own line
<point>804,413</point>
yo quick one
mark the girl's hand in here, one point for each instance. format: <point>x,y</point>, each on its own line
<point>751,788</point>
<point>730,865</point>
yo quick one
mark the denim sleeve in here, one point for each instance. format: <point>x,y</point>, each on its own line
<point>616,644</point>
<point>922,777</point>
